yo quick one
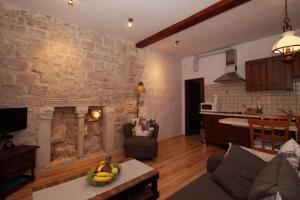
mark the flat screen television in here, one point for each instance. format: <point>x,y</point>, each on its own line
<point>12,119</point>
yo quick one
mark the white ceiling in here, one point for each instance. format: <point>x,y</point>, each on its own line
<point>250,21</point>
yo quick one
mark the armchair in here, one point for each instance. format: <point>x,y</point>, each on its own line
<point>140,146</point>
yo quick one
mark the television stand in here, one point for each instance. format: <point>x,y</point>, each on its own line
<point>17,166</point>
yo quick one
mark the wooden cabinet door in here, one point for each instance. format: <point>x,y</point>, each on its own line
<point>256,75</point>
<point>280,74</point>
<point>215,132</point>
<point>296,66</point>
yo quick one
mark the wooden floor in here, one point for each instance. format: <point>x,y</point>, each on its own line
<point>180,161</point>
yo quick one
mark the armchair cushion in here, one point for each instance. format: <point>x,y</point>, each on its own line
<point>140,141</point>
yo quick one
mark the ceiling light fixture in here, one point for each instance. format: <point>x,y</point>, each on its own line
<point>70,2</point>
<point>176,44</point>
<point>289,44</point>
<point>130,22</point>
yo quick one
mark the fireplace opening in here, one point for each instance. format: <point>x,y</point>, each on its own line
<point>65,133</point>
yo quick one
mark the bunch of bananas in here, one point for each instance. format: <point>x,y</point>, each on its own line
<point>104,173</point>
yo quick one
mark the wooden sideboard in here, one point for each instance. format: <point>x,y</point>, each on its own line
<point>17,166</point>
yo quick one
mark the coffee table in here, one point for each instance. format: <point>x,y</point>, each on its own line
<point>135,176</point>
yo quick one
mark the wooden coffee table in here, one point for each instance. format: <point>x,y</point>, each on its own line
<point>136,181</point>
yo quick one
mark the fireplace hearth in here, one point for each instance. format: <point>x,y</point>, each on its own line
<point>65,134</point>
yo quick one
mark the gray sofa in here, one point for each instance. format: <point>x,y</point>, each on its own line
<point>244,175</point>
<point>204,187</point>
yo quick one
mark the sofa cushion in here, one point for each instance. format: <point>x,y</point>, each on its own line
<point>202,188</point>
<point>237,172</point>
<point>140,141</point>
<point>276,176</point>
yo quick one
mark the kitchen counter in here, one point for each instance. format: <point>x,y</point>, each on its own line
<point>242,122</point>
<point>229,114</point>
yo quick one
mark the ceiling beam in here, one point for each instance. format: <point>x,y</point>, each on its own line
<point>196,18</point>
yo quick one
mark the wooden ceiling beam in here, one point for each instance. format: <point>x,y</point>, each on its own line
<point>198,17</point>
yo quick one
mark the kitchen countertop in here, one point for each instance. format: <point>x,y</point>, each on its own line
<point>229,114</point>
<point>244,123</point>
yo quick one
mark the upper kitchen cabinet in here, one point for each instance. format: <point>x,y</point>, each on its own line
<point>280,74</point>
<point>296,66</point>
<point>256,75</point>
<point>271,74</point>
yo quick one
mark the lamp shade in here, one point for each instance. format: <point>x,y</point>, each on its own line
<point>140,88</point>
<point>288,44</point>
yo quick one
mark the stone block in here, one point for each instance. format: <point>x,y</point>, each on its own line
<point>38,23</point>
<point>60,38</point>
<point>12,64</point>
<point>87,45</point>
<point>6,77</point>
<point>89,35</point>
<point>27,79</point>
<point>86,65</point>
<point>28,52</point>
<point>38,34</point>
<point>72,61</point>
<point>13,16</point>
<point>14,29</point>
<point>94,56</point>
<point>6,49</point>
<point>12,91</point>
<point>29,102</point>
<point>56,25</point>
<point>38,90</point>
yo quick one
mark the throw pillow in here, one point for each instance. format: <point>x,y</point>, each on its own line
<point>277,176</point>
<point>237,172</point>
<point>291,150</point>
<point>141,127</point>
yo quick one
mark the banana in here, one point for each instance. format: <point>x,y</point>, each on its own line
<point>100,168</point>
<point>102,179</point>
<point>102,162</point>
<point>104,174</point>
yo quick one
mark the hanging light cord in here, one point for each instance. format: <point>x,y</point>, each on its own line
<point>286,22</point>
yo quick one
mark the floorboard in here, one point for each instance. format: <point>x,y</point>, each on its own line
<point>181,160</point>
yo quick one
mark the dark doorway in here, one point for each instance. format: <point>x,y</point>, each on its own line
<point>194,95</point>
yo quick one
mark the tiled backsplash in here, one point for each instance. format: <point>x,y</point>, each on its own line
<point>234,97</point>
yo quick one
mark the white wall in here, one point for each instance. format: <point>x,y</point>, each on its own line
<point>211,67</point>
<point>162,99</point>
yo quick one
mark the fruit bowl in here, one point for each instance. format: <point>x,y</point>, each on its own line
<point>106,172</point>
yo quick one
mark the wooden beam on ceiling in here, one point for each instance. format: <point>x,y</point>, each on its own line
<point>198,17</point>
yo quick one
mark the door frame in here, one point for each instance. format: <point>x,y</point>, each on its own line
<point>186,102</point>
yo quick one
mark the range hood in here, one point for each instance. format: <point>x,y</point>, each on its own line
<point>231,74</point>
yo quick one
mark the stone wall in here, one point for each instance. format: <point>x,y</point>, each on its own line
<point>43,58</point>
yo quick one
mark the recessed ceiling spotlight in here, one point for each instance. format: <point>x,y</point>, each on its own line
<point>70,2</point>
<point>176,44</point>
<point>130,22</point>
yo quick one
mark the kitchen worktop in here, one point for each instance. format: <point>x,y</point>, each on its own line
<point>230,114</point>
<point>244,123</point>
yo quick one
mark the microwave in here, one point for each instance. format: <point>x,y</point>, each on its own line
<point>208,107</point>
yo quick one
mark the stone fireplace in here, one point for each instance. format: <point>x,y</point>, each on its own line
<point>65,133</point>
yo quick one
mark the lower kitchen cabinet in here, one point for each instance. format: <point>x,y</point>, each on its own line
<point>222,134</point>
